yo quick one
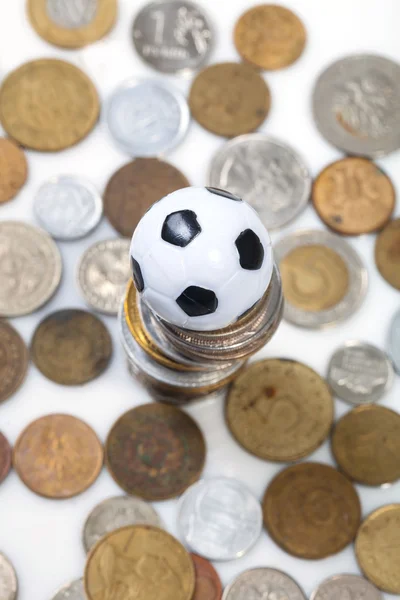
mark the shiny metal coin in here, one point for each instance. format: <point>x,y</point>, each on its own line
<point>71,591</point>
<point>265,172</point>
<point>346,586</point>
<point>263,582</point>
<point>394,341</point>
<point>8,579</point>
<point>68,207</point>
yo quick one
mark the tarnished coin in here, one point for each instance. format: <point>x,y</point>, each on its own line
<point>270,36</point>
<point>135,187</point>
<point>71,347</point>
<point>394,341</point>
<point>345,586</point>
<point>58,456</point>
<point>311,510</point>
<point>265,172</point>
<point>14,358</point>
<point>387,253</point>
<point>5,458</point>
<point>360,373</point>
<point>48,105</point>
<point>219,518</point>
<point>8,579</point>
<point>208,584</point>
<point>172,35</point>
<point>71,591</point>
<point>13,169</point>
<point>263,582</point>
<point>356,105</point>
<point>30,268</point>
<point>229,99</point>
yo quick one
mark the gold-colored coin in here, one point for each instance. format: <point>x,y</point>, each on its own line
<point>378,548</point>
<point>387,253</point>
<point>13,169</point>
<point>141,562</point>
<point>48,105</point>
<point>279,410</point>
<point>72,23</point>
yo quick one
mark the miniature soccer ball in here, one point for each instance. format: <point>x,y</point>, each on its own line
<point>201,258</point>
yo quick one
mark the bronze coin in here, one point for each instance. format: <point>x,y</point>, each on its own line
<point>366,444</point>
<point>135,187</point>
<point>5,457</point>
<point>279,409</point>
<point>208,584</point>
<point>353,196</point>
<point>155,451</point>
<point>270,36</point>
<point>229,99</point>
<point>14,358</point>
<point>13,169</point>
<point>58,456</point>
<point>387,253</point>
<point>71,347</point>
<point>311,510</point>
<point>48,105</point>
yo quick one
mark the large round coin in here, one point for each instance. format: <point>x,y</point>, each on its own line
<point>394,341</point>
<point>13,169</point>
<point>5,457</point>
<point>8,579</point>
<point>345,586</point>
<point>387,253</point>
<point>71,591</point>
<point>14,358</point>
<point>254,582</point>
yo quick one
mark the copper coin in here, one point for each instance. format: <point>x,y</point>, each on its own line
<point>229,99</point>
<point>155,451</point>
<point>270,36</point>
<point>5,457</point>
<point>13,169</point>
<point>353,196</point>
<point>387,253</point>
<point>71,347</point>
<point>311,510</point>
<point>208,584</point>
<point>58,456</point>
<point>366,444</point>
<point>279,409</point>
<point>14,358</point>
<point>135,187</point>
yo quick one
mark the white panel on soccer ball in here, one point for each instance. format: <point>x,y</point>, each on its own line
<point>210,261</point>
<point>163,269</point>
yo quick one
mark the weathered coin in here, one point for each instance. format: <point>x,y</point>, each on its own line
<point>68,207</point>
<point>8,579</point>
<point>219,518</point>
<point>208,584</point>
<point>387,253</point>
<point>71,591</point>
<point>30,268</point>
<point>279,409</point>
<point>263,582</point>
<point>13,169</point>
<point>265,172</point>
<point>356,105</point>
<point>48,105</point>
<point>135,187</point>
<point>58,456</point>
<point>270,36</point>
<point>345,586</point>
<point>14,358</point>
<point>360,373</point>
<point>394,341</point>
<point>5,457</point>
<point>311,510</point>
<point>229,99</point>
<point>324,280</point>
<point>172,35</point>
<point>71,347</point>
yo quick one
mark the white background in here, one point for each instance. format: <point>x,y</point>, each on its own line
<point>43,537</point>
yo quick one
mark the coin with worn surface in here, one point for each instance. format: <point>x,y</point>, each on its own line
<point>311,510</point>
<point>394,341</point>
<point>13,169</point>
<point>135,187</point>
<point>71,591</point>
<point>5,458</point>
<point>30,268</point>
<point>141,561</point>
<point>219,518</point>
<point>48,105</point>
<point>263,582</point>
<point>387,253</point>
<point>8,579</point>
<point>71,347</point>
<point>229,99</point>
<point>346,586</point>
<point>14,358</point>
<point>58,456</point>
<point>208,584</point>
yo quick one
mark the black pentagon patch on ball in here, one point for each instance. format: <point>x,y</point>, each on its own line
<point>137,275</point>
<point>180,228</point>
<point>224,193</point>
<point>197,301</point>
<point>251,251</point>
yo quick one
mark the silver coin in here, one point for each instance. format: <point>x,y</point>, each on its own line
<point>113,513</point>
<point>147,117</point>
<point>360,373</point>
<point>394,341</point>
<point>172,35</point>
<point>265,172</point>
<point>71,591</point>
<point>358,278</point>
<point>219,518</point>
<point>68,207</point>
<point>263,583</point>
<point>103,273</point>
<point>30,268</point>
<point>72,14</point>
<point>356,105</point>
<point>346,586</point>
<point>8,579</point>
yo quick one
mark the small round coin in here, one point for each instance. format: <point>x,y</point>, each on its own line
<point>229,99</point>
<point>71,347</point>
<point>13,169</point>
<point>208,584</point>
<point>387,253</point>
<point>345,586</point>
<point>263,582</point>
<point>71,591</point>
<point>394,341</point>
<point>14,358</point>
<point>311,510</point>
<point>5,457</point>
<point>8,579</point>
<point>58,456</point>
<point>141,561</point>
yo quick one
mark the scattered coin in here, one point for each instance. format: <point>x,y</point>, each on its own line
<point>345,586</point>
<point>8,579</point>
<point>71,347</point>
<point>13,169</point>
<point>208,584</point>
<point>141,561</point>
<point>48,105</point>
<point>5,459</point>
<point>135,187</point>
<point>14,358</point>
<point>387,253</point>
<point>30,268</point>
<point>219,518</point>
<point>394,341</point>
<point>311,510</point>
<point>58,456</point>
<point>263,582</point>
<point>229,99</point>
<point>71,591</point>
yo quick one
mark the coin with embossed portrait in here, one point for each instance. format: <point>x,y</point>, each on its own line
<point>345,585</point>
<point>387,253</point>
<point>13,169</point>
<point>8,579</point>
<point>263,582</point>
<point>14,359</point>
<point>73,590</point>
